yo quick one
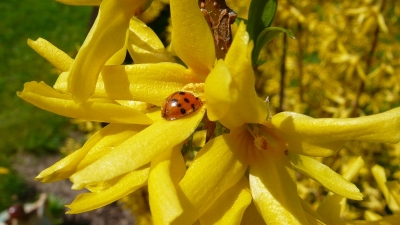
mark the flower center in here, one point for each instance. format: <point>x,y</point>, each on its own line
<point>260,141</point>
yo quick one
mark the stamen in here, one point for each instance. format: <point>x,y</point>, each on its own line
<point>260,141</point>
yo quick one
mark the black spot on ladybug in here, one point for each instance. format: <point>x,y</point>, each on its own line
<point>183,111</point>
<point>179,105</point>
<point>186,100</point>
<point>192,105</point>
<point>182,93</point>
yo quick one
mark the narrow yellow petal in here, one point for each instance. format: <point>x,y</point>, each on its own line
<point>274,191</point>
<point>201,186</point>
<point>109,141</point>
<point>353,170</point>
<point>312,220</point>
<point>219,92</point>
<point>45,97</point>
<point>126,185</point>
<point>191,36</point>
<point>372,216</point>
<point>333,206</point>
<point>144,45</point>
<point>200,138</point>
<point>150,83</point>
<point>394,188</point>
<point>387,220</point>
<point>119,57</point>
<point>51,53</point>
<point>322,137</point>
<point>312,216</point>
<point>165,173</point>
<point>105,138</point>
<point>380,176</point>
<point>325,176</point>
<point>230,206</point>
<point>247,107</point>
<point>106,37</point>
<point>139,149</point>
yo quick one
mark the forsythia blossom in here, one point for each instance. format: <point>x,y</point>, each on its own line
<point>241,176</point>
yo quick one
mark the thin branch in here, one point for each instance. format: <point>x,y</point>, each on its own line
<point>283,74</point>
<point>219,18</point>
<point>370,56</point>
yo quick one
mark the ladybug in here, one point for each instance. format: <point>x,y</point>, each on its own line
<point>180,104</point>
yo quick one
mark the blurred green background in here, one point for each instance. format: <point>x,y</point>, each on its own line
<point>24,127</point>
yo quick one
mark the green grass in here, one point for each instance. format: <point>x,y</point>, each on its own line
<point>23,126</point>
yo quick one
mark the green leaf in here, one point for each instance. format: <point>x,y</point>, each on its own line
<point>266,36</point>
<point>240,19</point>
<point>261,14</point>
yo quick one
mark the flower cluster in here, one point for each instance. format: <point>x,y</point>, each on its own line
<point>244,174</point>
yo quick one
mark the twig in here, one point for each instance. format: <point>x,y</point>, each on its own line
<point>219,18</point>
<point>283,74</point>
<point>354,112</point>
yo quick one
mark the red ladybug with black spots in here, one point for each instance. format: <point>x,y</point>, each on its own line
<point>180,104</point>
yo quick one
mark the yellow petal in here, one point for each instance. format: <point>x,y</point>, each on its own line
<point>106,37</point>
<point>394,188</point>
<point>191,36</point>
<point>81,2</point>
<point>251,216</point>
<point>201,186</point>
<point>106,138</point>
<point>372,216</point>
<point>51,53</point>
<point>45,97</point>
<point>139,149</point>
<point>274,191</point>
<point>144,45</point>
<point>386,220</point>
<point>109,142</point>
<point>353,170</point>
<point>200,138</point>
<point>165,173</point>
<point>119,57</point>
<point>333,206</point>
<point>247,107</point>
<point>312,216</point>
<point>322,137</point>
<point>230,206</point>
<point>325,176</point>
<point>380,176</point>
<point>126,185</point>
<point>219,91</point>
<point>150,83</point>
<point>312,220</point>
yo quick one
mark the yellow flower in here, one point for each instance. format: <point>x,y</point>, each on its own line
<point>255,161</point>
<point>116,160</point>
<point>250,162</point>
